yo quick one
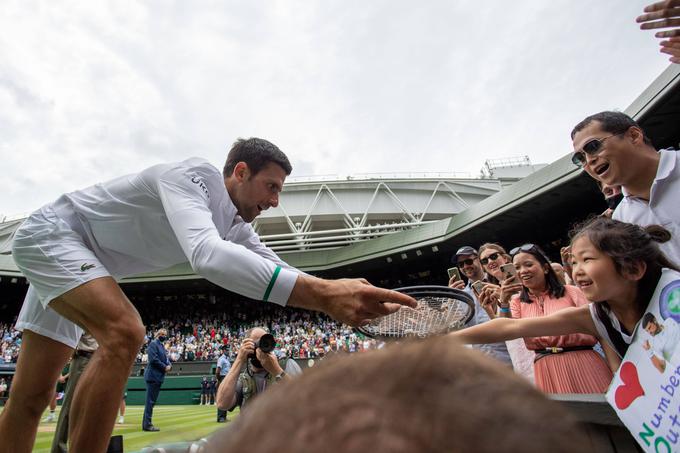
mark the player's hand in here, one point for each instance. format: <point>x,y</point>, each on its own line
<point>168,368</point>
<point>646,345</point>
<point>352,301</point>
<point>456,283</point>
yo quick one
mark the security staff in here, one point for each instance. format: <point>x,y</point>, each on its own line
<point>158,365</point>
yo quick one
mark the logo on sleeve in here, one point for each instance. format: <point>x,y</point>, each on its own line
<point>86,267</point>
<point>201,184</point>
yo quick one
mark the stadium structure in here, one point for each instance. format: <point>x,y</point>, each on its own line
<point>399,229</point>
<point>402,229</point>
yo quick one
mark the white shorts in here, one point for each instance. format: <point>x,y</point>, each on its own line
<point>54,259</point>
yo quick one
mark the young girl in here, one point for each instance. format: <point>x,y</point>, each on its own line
<point>617,266</point>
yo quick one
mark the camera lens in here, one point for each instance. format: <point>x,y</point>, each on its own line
<point>266,343</point>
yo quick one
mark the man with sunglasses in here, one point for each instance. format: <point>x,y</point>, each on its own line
<point>613,149</point>
<point>467,260</point>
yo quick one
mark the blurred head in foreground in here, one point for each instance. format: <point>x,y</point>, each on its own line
<point>424,396</point>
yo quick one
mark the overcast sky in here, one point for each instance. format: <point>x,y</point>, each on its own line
<point>90,90</point>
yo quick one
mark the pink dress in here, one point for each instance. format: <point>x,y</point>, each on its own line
<point>582,371</point>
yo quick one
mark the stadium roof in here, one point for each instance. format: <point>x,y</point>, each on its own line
<point>555,192</point>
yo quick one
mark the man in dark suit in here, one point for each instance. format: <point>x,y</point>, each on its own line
<point>158,364</point>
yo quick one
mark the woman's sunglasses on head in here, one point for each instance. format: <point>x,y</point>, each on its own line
<point>523,248</point>
<point>591,148</point>
<point>529,248</point>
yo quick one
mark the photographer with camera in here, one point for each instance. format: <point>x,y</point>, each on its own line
<point>262,369</point>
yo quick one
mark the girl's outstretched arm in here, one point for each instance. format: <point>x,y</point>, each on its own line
<point>569,320</point>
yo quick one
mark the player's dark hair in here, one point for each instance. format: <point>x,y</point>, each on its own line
<point>256,153</point>
<point>612,122</point>
<point>628,245</point>
<point>647,319</point>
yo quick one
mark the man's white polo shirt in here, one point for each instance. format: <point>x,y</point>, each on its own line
<point>663,207</point>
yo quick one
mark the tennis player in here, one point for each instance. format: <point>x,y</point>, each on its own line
<point>74,250</point>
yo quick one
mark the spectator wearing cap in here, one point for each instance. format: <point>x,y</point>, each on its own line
<point>467,260</point>
<point>223,367</point>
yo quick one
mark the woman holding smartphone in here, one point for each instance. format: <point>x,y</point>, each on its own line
<point>494,258</point>
<point>564,363</point>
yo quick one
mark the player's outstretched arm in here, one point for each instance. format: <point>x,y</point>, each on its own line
<point>352,301</point>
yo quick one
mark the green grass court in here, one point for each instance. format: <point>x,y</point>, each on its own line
<point>177,424</point>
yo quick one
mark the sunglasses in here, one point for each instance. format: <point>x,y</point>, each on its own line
<point>524,249</point>
<point>469,262</point>
<point>492,257</point>
<point>592,148</point>
<point>529,248</point>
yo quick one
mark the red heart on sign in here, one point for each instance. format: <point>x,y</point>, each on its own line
<point>631,389</point>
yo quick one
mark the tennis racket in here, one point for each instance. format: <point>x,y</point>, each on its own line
<point>440,310</point>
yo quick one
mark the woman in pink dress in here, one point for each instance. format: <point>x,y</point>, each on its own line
<point>565,363</point>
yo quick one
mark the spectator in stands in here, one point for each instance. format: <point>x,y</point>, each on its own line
<point>614,150</point>
<point>467,260</point>
<point>561,274</point>
<point>492,257</point>
<point>665,14</point>
<point>261,371</point>
<point>195,214</point>
<point>612,196</point>
<point>223,367</point>
<point>3,388</point>
<point>154,377</point>
<point>565,363</point>
<point>456,400</point>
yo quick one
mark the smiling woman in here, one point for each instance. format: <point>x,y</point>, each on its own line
<point>564,363</point>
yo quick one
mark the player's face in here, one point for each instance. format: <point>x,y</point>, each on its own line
<point>259,192</point>
<point>651,328</point>
<point>595,273</point>
<point>611,164</point>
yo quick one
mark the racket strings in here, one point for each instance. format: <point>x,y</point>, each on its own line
<point>431,316</point>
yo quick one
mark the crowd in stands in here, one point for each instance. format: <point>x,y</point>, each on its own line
<point>11,341</point>
<point>197,330</point>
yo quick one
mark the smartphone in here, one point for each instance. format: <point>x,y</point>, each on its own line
<point>478,286</point>
<point>454,273</point>
<point>509,271</point>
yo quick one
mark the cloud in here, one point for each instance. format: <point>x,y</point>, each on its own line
<point>92,90</point>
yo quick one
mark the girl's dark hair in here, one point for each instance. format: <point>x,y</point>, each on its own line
<point>555,287</point>
<point>628,245</point>
<point>499,248</point>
